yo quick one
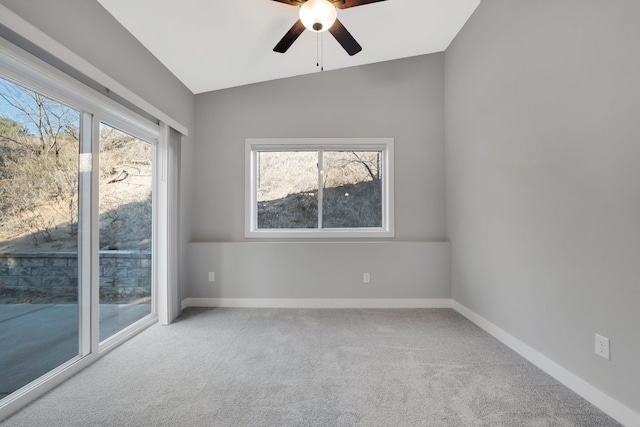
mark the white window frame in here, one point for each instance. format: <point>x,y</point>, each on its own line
<point>254,145</point>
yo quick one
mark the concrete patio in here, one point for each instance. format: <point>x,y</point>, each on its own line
<point>36,338</point>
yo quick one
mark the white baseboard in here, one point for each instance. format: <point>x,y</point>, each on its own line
<point>605,403</point>
<point>316,303</point>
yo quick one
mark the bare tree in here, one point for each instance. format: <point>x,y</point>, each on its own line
<point>370,162</point>
<point>38,161</point>
<point>49,120</point>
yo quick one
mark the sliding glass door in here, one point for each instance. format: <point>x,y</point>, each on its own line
<point>126,229</point>
<point>39,268</point>
<point>77,232</point>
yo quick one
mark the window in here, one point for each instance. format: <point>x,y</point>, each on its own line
<point>319,188</point>
<point>39,287</point>
<point>125,200</point>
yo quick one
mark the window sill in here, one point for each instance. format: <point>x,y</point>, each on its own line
<point>328,233</point>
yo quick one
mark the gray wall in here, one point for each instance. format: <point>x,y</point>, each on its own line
<point>320,270</point>
<point>543,179</point>
<point>401,99</point>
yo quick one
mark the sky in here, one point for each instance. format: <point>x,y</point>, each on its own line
<point>13,91</point>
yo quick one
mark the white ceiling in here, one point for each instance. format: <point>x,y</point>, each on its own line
<point>216,44</point>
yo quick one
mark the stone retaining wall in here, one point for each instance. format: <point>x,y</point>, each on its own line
<point>53,276</point>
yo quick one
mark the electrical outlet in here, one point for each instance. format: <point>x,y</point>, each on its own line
<point>212,276</point>
<point>602,347</point>
<point>366,278</point>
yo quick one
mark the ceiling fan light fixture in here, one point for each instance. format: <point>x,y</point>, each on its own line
<point>318,15</point>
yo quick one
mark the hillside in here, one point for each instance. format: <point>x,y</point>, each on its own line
<point>39,204</point>
<point>287,189</point>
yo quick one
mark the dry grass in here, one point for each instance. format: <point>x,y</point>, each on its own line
<point>125,192</point>
<point>40,196</point>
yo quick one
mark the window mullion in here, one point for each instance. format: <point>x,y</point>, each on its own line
<point>95,234</point>
<point>84,231</point>
<point>320,186</point>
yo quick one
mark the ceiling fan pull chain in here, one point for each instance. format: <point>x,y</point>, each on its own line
<point>321,51</point>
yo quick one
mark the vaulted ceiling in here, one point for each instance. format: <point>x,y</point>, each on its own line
<point>216,44</point>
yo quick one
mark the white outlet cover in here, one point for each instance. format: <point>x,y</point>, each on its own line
<point>602,347</point>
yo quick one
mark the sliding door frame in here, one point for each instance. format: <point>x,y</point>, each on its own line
<point>20,67</point>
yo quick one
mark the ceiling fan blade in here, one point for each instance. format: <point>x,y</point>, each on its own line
<point>345,38</point>
<point>285,43</point>
<point>292,2</point>
<point>346,4</point>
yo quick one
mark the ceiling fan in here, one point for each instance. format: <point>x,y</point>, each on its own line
<point>319,16</point>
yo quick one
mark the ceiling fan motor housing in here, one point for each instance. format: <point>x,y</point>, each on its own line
<point>318,15</point>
